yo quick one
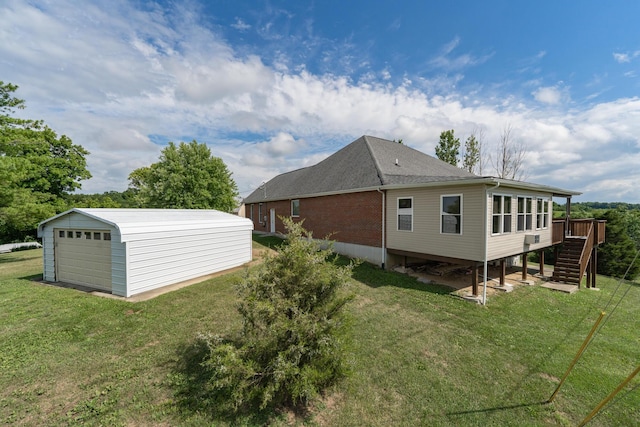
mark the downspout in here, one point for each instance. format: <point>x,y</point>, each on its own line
<point>486,240</point>
<point>384,252</point>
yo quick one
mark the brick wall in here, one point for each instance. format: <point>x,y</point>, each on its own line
<point>350,218</point>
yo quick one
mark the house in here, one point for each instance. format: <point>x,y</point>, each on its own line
<point>390,204</point>
<point>130,251</point>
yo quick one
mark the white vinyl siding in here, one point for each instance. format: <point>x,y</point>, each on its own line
<point>427,237</point>
<point>405,214</point>
<point>511,244</point>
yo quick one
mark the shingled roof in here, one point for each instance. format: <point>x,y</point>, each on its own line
<point>366,163</point>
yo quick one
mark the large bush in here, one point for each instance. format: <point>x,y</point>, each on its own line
<point>289,347</point>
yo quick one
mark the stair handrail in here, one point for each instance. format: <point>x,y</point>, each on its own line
<point>586,251</point>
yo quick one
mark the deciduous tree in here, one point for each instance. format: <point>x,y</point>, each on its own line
<point>508,161</point>
<point>448,148</point>
<point>37,168</point>
<point>187,176</point>
<point>472,158</point>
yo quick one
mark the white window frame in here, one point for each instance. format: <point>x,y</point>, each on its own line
<point>443,214</point>
<point>542,218</point>
<point>404,212</point>
<point>293,210</point>
<point>502,215</point>
<point>524,214</point>
<point>260,213</point>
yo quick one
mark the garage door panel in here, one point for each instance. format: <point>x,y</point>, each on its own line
<point>83,261</point>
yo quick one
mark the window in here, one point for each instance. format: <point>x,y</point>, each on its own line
<point>260,213</point>
<point>251,212</point>
<point>295,208</point>
<point>405,214</point>
<point>542,213</point>
<point>106,236</point>
<point>525,219</point>
<point>78,234</point>
<point>61,233</point>
<point>451,214</point>
<point>70,234</point>
<point>96,235</point>
<point>501,214</point>
<point>87,235</point>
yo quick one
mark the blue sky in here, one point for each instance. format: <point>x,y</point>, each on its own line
<point>272,86</point>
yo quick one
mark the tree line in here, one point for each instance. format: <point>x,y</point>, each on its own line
<point>507,161</point>
<point>40,171</point>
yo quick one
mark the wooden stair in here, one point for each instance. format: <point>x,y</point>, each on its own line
<point>567,268</point>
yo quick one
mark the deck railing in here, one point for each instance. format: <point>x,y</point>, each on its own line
<point>585,256</point>
<point>578,228</point>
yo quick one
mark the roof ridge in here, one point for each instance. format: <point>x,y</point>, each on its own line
<point>374,158</point>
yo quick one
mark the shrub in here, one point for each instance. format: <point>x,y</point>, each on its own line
<point>289,348</point>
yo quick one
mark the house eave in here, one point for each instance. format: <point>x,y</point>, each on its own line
<point>308,196</point>
<point>555,191</point>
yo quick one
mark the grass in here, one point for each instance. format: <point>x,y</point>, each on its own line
<point>417,355</point>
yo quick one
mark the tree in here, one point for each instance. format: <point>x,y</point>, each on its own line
<point>617,253</point>
<point>472,159</point>
<point>188,177</point>
<point>288,349</point>
<point>509,159</point>
<point>448,148</point>
<point>37,168</point>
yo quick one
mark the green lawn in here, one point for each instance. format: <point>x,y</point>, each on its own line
<point>417,355</point>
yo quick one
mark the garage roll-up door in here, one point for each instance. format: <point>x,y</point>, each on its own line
<point>83,257</point>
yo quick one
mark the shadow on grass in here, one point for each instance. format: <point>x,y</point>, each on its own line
<point>195,397</point>
<point>268,240</point>
<point>32,277</point>
<point>376,277</point>
<point>497,408</point>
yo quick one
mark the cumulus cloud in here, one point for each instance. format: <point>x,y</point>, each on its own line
<point>122,82</point>
<point>281,145</point>
<point>552,95</point>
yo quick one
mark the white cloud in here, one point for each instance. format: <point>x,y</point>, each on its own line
<point>240,25</point>
<point>281,145</point>
<point>551,95</point>
<point>114,79</point>
<point>449,62</point>
<point>625,57</point>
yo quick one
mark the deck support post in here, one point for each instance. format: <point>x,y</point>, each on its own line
<point>503,271</point>
<point>524,266</point>
<point>474,280</point>
<point>541,262</point>
<point>589,273</point>
<point>594,266</point>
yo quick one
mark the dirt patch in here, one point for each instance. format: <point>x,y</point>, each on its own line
<point>459,278</point>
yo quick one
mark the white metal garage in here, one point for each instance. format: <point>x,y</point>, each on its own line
<point>129,251</point>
